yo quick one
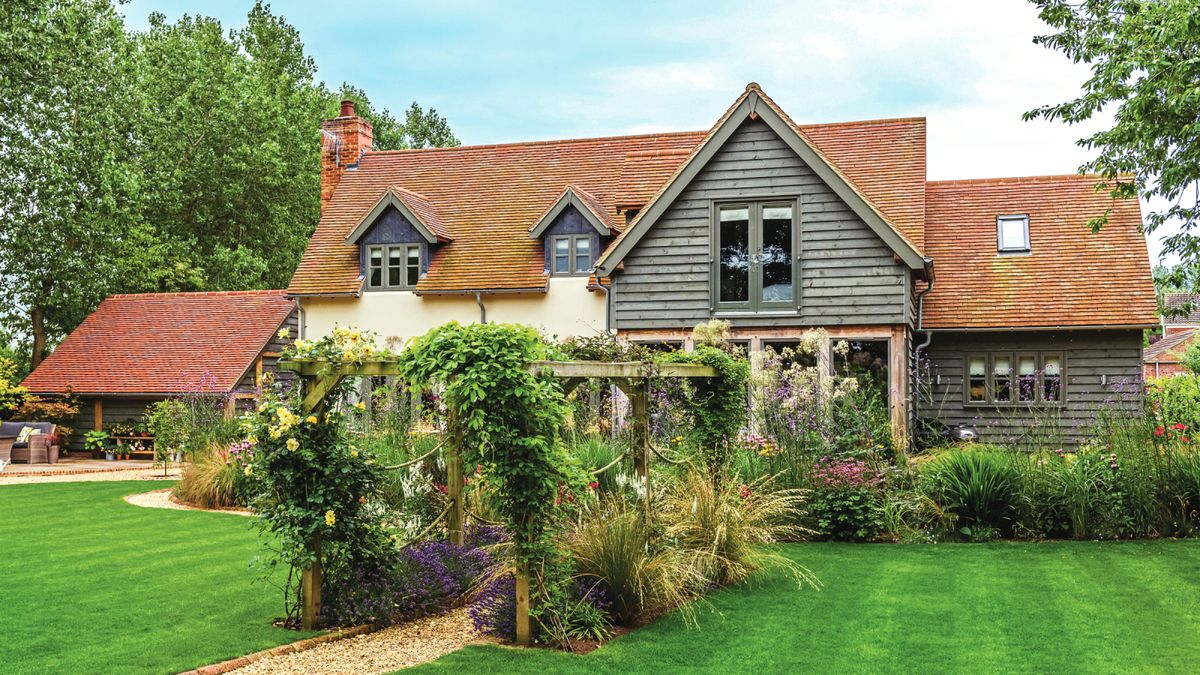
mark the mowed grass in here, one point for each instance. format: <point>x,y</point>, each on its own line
<point>1007,607</point>
<point>89,583</point>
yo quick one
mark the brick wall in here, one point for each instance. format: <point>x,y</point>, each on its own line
<point>347,137</point>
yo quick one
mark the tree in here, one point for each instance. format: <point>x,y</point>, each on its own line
<point>1145,61</point>
<point>68,197</point>
<point>1191,356</point>
<point>420,129</point>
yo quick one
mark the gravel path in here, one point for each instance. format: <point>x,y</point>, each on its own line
<point>161,499</point>
<point>132,474</point>
<point>379,652</point>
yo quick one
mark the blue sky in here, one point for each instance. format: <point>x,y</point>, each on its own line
<point>521,71</point>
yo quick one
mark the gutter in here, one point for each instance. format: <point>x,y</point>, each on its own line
<point>912,393</point>
<point>607,305</point>
<point>1018,329</point>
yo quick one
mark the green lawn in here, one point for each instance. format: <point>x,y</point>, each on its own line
<point>89,583</point>
<point>1053,607</point>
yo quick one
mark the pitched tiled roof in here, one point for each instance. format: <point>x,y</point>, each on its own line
<point>1178,302</point>
<point>1072,277</point>
<point>490,195</point>
<point>164,343</point>
<point>1169,349</point>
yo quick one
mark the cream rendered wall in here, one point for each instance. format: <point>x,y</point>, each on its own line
<point>567,308</point>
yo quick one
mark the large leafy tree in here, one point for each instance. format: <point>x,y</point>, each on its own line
<point>1145,62</point>
<point>68,196</point>
<point>185,157</point>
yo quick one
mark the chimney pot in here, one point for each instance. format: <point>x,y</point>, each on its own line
<point>347,108</point>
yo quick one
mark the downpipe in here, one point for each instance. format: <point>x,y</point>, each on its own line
<point>912,393</point>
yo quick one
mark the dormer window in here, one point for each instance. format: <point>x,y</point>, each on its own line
<point>1012,234</point>
<point>572,254</point>
<point>394,267</point>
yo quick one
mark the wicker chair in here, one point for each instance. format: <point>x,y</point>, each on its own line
<point>6,450</point>
<point>37,449</point>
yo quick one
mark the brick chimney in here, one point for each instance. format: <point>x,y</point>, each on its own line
<point>343,141</point>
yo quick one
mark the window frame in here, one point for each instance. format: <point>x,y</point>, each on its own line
<point>1001,249</point>
<point>1014,386</point>
<point>385,267</point>
<point>572,266</point>
<point>754,304</point>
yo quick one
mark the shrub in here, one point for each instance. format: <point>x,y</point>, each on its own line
<point>613,546</point>
<point>724,528</point>
<point>979,487</point>
<point>846,500</point>
<point>1175,400</point>
<point>12,394</point>
<point>216,479</point>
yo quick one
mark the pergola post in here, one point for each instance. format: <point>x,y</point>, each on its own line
<point>310,591</point>
<point>640,411</point>
<point>454,488</point>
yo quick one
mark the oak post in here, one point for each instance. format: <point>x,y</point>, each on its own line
<point>640,412</point>
<point>310,590</point>
<point>454,492</point>
<point>523,635</point>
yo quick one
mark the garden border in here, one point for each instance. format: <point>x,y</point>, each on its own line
<point>289,648</point>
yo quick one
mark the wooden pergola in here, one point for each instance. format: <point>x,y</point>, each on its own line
<point>319,378</point>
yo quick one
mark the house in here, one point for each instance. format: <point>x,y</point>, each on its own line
<point>990,302</point>
<point>138,349</point>
<point>1181,313</point>
<point>1165,357</point>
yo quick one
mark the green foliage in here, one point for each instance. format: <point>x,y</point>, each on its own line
<point>718,404</point>
<point>846,513</point>
<point>979,487</point>
<point>420,129</point>
<point>642,576</point>
<point>68,111</point>
<point>501,417</point>
<point>97,441</point>
<point>12,394</point>
<point>1144,70</point>
<point>183,157</point>
<point>214,480</point>
<point>188,424</point>
<point>1175,400</point>
<point>312,490</point>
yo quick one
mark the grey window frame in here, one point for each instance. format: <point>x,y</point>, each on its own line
<point>384,268</point>
<point>1003,250</point>
<point>755,304</point>
<point>571,266</point>
<point>1014,379</point>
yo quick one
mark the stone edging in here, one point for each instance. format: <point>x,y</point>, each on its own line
<point>298,646</point>
<point>72,472</point>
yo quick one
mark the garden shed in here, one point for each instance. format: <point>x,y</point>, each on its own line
<point>141,348</point>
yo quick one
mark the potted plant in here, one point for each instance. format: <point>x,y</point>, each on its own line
<point>98,442</point>
<point>54,448</point>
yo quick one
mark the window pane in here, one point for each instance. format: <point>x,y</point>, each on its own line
<point>376,277</point>
<point>1012,234</point>
<point>734,246</point>
<point>393,276</point>
<point>562,255</point>
<point>1001,378</point>
<point>376,256</point>
<point>413,266</point>
<point>394,254</point>
<point>777,254</point>
<point>977,378</point>
<point>583,254</point>
<point>1052,378</point>
<point>1026,378</point>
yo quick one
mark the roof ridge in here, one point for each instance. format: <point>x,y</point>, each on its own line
<point>878,120</point>
<point>194,294</point>
<point>557,141</point>
<point>1016,179</point>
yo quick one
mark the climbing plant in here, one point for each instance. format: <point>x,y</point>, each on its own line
<point>502,417</point>
<point>718,404</point>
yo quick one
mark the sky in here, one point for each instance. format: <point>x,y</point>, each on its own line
<point>515,71</point>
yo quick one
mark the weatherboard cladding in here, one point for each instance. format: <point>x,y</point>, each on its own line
<point>391,227</point>
<point>847,274</point>
<point>1103,370</point>
<point>570,221</point>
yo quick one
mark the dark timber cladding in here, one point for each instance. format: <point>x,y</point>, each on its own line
<point>847,274</point>
<point>1102,370</point>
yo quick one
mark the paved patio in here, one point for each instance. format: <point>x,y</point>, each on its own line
<point>82,467</point>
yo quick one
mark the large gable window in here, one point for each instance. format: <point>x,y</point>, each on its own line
<point>394,267</point>
<point>1012,234</point>
<point>572,254</point>
<point>755,257</point>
